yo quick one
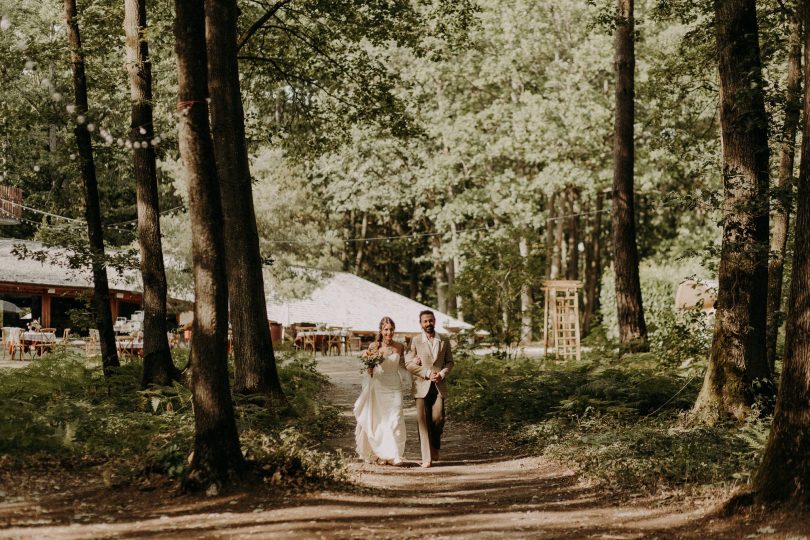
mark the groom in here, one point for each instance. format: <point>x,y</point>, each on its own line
<point>429,359</point>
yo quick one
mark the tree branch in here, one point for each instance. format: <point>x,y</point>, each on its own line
<point>245,37</point>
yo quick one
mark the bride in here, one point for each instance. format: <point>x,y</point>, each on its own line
<point>380,432</point>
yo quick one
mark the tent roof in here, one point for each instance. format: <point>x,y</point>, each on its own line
<point>343,299</point>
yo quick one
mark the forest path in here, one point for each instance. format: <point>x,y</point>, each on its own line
<point>480,489</point>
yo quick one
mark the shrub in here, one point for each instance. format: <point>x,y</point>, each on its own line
<point>59,406</point>
<point>674,337</point>
<point>622,421</point>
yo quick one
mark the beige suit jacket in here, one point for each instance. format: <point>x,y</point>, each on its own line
<point>442,364</point>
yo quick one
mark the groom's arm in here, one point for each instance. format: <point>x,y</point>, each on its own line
<point>448,361</point>
<point>416,369</point>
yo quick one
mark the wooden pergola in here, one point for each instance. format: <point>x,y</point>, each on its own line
<point>561,317</point>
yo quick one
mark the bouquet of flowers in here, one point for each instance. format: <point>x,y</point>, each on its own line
<point>371,358</point>
<point>34,326</point>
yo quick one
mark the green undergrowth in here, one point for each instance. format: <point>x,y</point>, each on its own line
<point>623,421</point>
<point>62,407</point>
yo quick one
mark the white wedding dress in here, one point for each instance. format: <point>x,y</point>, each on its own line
<point>380,431</point>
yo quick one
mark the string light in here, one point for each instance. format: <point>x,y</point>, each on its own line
<point>411,237</point>
<point>112,226</point>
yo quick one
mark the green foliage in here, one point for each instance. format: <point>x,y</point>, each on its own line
<point>490,284</point>
<point>61,406</point>
<point>673,337</point>
<point>526,389</point>
<point>658,453</point>
<point>621,420</point>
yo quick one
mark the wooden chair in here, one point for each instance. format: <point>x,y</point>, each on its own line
<point>308,342</point>
<point>12,342</point>
<point>123,344</point>
<point>353,343</point>
<point>334,345</point>
<point>93,343</point>
<point>48,330</point>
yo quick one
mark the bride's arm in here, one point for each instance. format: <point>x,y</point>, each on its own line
<point>401,351</point>
<point>412,362</point>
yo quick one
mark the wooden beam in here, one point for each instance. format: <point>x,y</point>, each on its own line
<point>46,310</point>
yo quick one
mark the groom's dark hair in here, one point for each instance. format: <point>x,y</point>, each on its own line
<point>426,312</point>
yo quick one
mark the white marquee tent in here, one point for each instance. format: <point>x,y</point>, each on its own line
<point>343,299</point>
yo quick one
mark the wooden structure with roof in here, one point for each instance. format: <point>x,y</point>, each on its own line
<point>561,317</point>
<point>49,289</point>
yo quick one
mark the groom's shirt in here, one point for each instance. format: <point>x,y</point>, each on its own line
<point>434,350</point>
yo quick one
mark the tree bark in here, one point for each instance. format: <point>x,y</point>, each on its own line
<point>784,474</point>
<point>361,245</point>
<point>630,310</point>
<point>572,233</point>
<point>593,266</point>
<point>526,301</point>
<point>92,208</point>
<point>782,200</point>
<point>550,246</point>
<point>738,371</point>
<point>254,360</point>
<point>459,305</point>
<point>557,251</point>
<point>439,275</point>
<point>158,367</point>
<point>450,272</point>
<point>217,457</point>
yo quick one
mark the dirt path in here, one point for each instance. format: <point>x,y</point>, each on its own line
<point>478,490</point>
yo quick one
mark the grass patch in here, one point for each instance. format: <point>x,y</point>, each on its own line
<point>60,407</point>
<point>622,421</point>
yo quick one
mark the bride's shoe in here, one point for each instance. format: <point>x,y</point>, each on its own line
<point>397,462</point>
<point>425,464</point>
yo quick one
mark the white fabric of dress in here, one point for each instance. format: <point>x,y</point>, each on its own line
<point>380,431</point>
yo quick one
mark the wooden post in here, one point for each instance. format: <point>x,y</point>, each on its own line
<point>115,308</point>
<point>46,311</point>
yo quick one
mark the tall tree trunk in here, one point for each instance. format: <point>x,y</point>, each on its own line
<point>57,178</point>
<point>738,365</point>
<point>459,306</point>
<point>550,245</point>
<point>782,200</point>
<point>217,457</point>
<point>784,474</point>
<point>92,208</point>
<point>632,328</point>
<point>348,227</point>
<point>413,279</point>
<point>526,301</point>
<point>439,275</point>
<point>254,360</point>
<point>361,245</point>
<point>572,234</point>
<point>593,265</point>
<point>450,272</point>
<point>158,367</point>
<point>557,252</point>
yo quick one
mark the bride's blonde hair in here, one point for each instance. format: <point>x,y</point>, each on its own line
<point>385,320</point>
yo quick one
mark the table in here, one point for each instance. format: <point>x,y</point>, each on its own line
<point>327,339</point>
<point>129,345</point>
<point>37,341</point>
